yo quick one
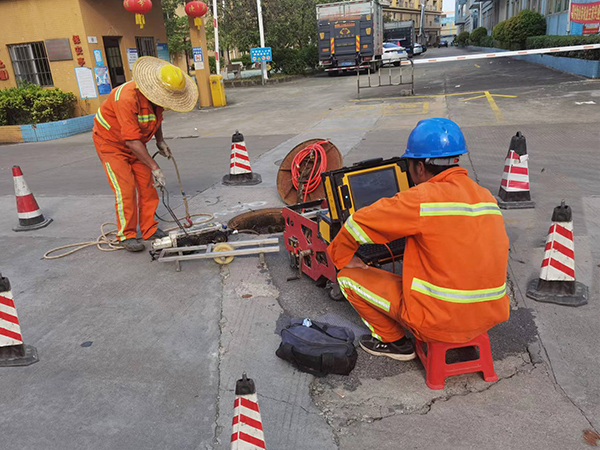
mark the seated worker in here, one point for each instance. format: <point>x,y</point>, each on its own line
<point>453,286</point>
<point>124,124</point>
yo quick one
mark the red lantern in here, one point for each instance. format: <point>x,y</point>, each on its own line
<point>139,7</point>
<point>196,10</point>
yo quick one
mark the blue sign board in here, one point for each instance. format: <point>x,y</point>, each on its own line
<point>102,80</point>
<point>261,54</point>
<point>162,51</point>
<point>98,58</point>
<point>198,57</point>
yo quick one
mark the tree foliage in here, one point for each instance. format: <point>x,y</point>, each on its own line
<point>178,31</point>
<point>290,28</point>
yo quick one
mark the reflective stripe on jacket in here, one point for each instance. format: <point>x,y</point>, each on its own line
<point>454,270</point>
<point>126,115</point>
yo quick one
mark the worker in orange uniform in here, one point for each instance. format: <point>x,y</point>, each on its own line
<point>453,285</point>
<point>126,121</point>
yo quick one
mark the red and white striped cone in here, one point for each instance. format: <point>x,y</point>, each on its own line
<point>514,189</point>
<point>12,350</point>
<point>247,431</point>
<point>240,172</point>
<point>557,282</point>
<point>30,215</point>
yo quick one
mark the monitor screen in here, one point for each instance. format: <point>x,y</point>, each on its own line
<point>368,187</point>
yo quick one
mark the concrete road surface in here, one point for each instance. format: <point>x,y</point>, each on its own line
<point>136,355</point>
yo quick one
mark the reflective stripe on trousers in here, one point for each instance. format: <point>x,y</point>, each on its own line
<point>374,299</point>
<point>119,198</point>
<point>456,295</point>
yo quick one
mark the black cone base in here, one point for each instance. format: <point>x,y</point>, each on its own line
<point>18,355</point>
<point>25,226</point>
<point>558,292</point>
<point>244,179</point>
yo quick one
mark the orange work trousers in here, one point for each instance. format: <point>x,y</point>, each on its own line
<point>376,295</point>
<point>135,195</point>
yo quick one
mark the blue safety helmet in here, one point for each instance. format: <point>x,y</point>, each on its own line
<point>435,138</point>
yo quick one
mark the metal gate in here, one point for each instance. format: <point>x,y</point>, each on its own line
<point>387,76</point>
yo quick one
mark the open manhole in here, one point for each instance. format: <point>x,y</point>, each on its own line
<point>261,221</point>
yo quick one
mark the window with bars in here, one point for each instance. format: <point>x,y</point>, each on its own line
<point>30,63</point>
<point>145,46</point>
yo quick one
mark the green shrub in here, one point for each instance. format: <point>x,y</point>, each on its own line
<point>29,103</point>
<point>565,41</point>
<point>292,61</point>
<point>463,38</point>
<point>246,60</point>
<point>212,64</point>
<point>499,32</point>
<point>525,24</point>
<point>487,41</point>
<point>477,35</point>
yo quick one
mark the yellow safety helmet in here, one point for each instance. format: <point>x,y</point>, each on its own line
<point>165,84</point>
<point>172,77</point>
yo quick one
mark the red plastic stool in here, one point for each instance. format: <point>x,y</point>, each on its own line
<point>437,370</point>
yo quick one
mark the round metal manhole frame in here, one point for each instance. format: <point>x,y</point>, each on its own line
<point>285,186</point>
<point>261,221</point>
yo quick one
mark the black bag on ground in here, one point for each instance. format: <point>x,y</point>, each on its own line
<point>318,348</point>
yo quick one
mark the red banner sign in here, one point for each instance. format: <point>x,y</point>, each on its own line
<point>585,12</point>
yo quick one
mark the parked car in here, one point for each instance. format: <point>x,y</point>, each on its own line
<point>393,54</point>
<point>444,43</point>
<point>400,43</point>
<point>417,49</point>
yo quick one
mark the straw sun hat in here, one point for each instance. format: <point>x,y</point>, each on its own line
<point>165,84</point>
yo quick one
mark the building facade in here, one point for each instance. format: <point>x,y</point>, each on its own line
<point>401,10</point>
<point>449,28</point>
<point>86,47</point>
<point>469,14</point>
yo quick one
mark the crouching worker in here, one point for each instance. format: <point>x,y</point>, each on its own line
<point>124,124</point>
<point>453,285</point>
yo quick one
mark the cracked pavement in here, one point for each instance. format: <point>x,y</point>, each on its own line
<point>168,347</point>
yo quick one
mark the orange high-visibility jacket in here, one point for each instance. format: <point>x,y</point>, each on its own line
<point>454,270</point>
<point>126,115</point>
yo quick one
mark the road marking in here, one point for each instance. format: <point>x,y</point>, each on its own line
<point>405,109</point>
<point>477,65</point>
<point>491,102</point>
<point>410,97</point>
<point>494,106</point>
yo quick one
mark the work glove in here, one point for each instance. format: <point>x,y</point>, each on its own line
<point>159,178</point>
<point>164,149</point>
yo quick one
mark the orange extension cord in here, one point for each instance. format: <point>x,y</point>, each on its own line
<point>317,153</point>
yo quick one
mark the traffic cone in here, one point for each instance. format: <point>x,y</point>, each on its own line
<point>240,172</point>
<point>557,278</point>
<point>12,350</point>
<point>30,216</point>
<point>514,188</point>
<point>247,425</point>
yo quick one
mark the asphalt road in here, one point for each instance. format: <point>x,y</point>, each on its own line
<point>167,347</point>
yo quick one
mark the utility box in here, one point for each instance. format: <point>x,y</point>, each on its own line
<point>217,89</point>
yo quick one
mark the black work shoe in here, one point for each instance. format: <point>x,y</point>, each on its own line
<point>402,350</point>
<point>158,234</point>
<point>133,245</point>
